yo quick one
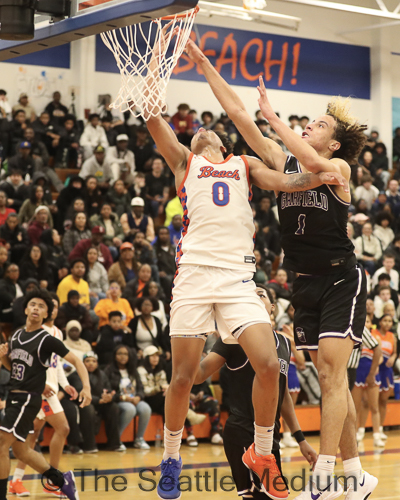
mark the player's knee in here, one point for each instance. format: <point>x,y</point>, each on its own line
<point>328,379</point>
<point>181,383</point>
<point>268,369</point>
<point>64,429</point>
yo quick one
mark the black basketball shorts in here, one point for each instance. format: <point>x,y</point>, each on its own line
<point>236,441</point>
<point>329,306</point>
<point>20,412</point>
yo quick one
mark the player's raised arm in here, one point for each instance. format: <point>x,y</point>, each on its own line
<point>174,153</point>
<point>307,154</point>
<point>264,178</point>
<point>270,152</point>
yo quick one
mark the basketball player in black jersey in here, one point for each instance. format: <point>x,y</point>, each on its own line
<point>239,428</point>
<point>330,293</point>
<point>27,357</point>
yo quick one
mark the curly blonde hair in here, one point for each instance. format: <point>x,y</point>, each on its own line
<point>349,132</point>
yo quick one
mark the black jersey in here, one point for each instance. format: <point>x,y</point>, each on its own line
<point>30,354</point>
<point>314,228</point>
<point>241,378</point>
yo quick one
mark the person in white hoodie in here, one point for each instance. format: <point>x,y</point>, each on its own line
<point>51,412</point>
<point>94,135</point>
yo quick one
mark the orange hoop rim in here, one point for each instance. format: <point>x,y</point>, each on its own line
<point>180,16</point>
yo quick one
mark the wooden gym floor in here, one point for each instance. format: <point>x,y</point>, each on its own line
<point>383,463</point>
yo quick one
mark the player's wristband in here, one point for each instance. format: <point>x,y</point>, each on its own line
<point>299,436</point>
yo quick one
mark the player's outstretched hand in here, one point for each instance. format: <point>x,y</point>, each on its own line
<point>263,101</point>
<point>308,453</point>
<point>3,349</point>
<point>85,398</point>
<point>194,52</point>
<point>336,179</point>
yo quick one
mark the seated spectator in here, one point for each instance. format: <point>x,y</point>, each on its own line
<point>73,339</point>
<point>46,132</point>
<point>146,328</point>
<point>56,109</point>
<point>154,380</point>
<point>126,268</point>
<point>156,182</point>
<point>134,288</point>
<point>142,147</point>
<point>183,124</point>
<point>114,234</point>
<point>92,197</point>
<point>75,281</point>
<point>138,188</point>
<point>110,336</point>
<point>114,302</point>
<point>18,308</point>
<point>172,208</point>
<point>93,136</point>
<point>10,289</point>
<point>16,237</point>
<point>268,225</point>
<point>122,160</point>
<point>16,133</point>
<point>35,265</point>
<point>144,252</point>
<point>380,205</point>
<point>78,205</point>
<point>394,249</point>
<point>111,133</point>
<point>15,189</point>
<point>367,191</point>
<point>387,268</point>
<point>98,165</point>
<point>31,204</point>
<point>4,211</point>
<point>381,163</point>
<point>40,179</point>
<point>367,163</point>
<point>203,401</point>
<point>118,197</point>
<point>73,190</point>
<point>23,104</point>
<point>5,106</point>
<point>280,285</point>
<point>103,407</point>
<point>3,260</point>
<point>368,248</point>
<point>153,290</point>
<point>175,229</point>
<point>79,231</point>
<point>165,255</point>
<point>136,220</point>
<point>382,299</point>
<point>260,275</point>
<point>40,222</point>
<point>66,151</point>
<point>96,276</point>
<point>51,241</point>
<point>72,310</point>
<point>208,120</point>
<point>384,281</point>
<point>80,249</point>
<point>393,196</point>
<point>125,381</point>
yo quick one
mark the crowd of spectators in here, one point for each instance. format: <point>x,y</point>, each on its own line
<point>105,238</point>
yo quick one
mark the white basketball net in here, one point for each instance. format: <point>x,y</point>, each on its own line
<point>143,90</point>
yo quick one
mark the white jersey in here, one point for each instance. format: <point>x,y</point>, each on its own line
<point>218,228</point>
<point>55,374</point>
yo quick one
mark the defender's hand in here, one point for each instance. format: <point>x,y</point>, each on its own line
<point>335,179</point>
<point>85,398</point>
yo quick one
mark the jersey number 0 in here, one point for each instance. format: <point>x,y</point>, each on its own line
<point>220,192</point>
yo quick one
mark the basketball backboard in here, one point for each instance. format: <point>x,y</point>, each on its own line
<point>90,17</point>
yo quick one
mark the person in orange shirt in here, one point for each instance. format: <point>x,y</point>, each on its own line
<point>389,351</point>
<point>114,302</point>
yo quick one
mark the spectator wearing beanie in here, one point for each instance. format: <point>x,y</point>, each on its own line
<point>73,340</point>
<point>39,223</point>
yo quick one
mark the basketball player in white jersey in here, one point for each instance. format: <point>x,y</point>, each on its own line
<point>330,318</point>
<point>51,412</point>
<point>213,282</point>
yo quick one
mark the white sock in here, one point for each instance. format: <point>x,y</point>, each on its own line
<point>361,429</point>
<point>263,437</point>
<point>287,435</point>
<point>352,468</point>
<point>18,474</point>
<point>172,443</point>
<point>323,472</point>
<point>376,435</point>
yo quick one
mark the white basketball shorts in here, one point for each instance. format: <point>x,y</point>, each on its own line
<point>208,299</point>
<point>50,406</point>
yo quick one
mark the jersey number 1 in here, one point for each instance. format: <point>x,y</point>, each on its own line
<point>302,225</point>
<point>220,192</point>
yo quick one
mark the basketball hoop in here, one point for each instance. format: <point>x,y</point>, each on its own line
<point>254,4</point>
<point>162,42</point>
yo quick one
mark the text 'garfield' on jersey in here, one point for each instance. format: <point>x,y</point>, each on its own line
<point>313,228</point>
<point>218,228</point>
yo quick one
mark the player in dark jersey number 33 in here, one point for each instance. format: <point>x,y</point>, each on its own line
<point>27,357</point>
